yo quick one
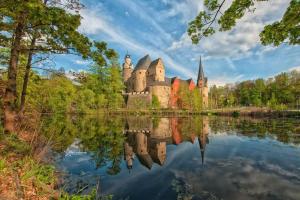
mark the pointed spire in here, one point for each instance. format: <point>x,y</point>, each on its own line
<point>200,73</point>
<point>127,55</point>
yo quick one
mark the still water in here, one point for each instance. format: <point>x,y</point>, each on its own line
<point>178,158</point>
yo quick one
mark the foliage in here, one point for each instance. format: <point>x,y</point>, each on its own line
<point>184,93</point>
<point>196,99</point>
<point>105,78</point>
<point>2,164</point>
<point>189,99</point>
<point>155,102</point>
<point>13,144</point>
<point>287,29</point>
<point>279,92</point>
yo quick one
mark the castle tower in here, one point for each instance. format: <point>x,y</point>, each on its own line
<point>139,73</point>
<point>156,70</point>
<point>202,85</point>
<point>127,68</point>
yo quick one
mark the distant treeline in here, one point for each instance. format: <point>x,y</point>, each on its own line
<point>279,92</point>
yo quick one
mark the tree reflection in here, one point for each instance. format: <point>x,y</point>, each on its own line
<point>110,139</point>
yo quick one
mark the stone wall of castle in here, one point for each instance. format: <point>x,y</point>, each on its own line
<point>162,93</point>
<point>138,100</point>
<point>204,92</point>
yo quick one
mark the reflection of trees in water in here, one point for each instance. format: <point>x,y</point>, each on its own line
<point>101,136</point>
<point>281,129</point>
<point>147,137</point>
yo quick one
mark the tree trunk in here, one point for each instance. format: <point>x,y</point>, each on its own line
<point>26,76</point>
<point>10,97</point>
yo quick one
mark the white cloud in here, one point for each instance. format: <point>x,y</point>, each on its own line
<point>94,23</point>
<point>147,16</point>
<point>81,62</point>
<point>242,39</point>
<point>225,79</point>
<point>297,68</point>
<point>184,8</point>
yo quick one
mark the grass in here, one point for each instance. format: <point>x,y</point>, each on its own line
<point>21,176</point>
<point>13,145</point>
<point>42,174</point>
<point>91,196</point>
<point>2,165</point>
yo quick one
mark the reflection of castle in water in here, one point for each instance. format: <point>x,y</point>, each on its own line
<point>147,138</point>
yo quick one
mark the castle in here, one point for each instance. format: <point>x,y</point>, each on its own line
<point>148,79</point>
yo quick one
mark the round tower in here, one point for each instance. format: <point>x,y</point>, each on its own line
<point>127,68</point>
<point>140,80</point>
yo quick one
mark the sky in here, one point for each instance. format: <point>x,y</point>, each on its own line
<point>158,28</point>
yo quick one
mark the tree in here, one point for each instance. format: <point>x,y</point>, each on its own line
<point>104,77</point>
<point>23,23</point>
<point>17,11</point>
<point>53,30</point>
<point>184,101</point>
<point>287,29</point>
<point>115,85</point>
<point>155,102</point>
<point>196,99</point>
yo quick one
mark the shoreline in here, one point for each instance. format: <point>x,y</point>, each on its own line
<point>234,112</point>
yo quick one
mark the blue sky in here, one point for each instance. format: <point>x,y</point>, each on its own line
<point>158,28</point>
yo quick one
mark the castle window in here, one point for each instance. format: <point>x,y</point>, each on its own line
<point>140,72</point>
<point>160,71</point>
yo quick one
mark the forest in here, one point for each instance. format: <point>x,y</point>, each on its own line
<point>279,92</point>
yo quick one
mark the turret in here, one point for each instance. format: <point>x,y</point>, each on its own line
<point>139,73</point>
<point>201,78</point>
<point>127,68</point>
<point>202,85</point>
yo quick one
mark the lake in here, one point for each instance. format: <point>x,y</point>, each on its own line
<point>205,157</point>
